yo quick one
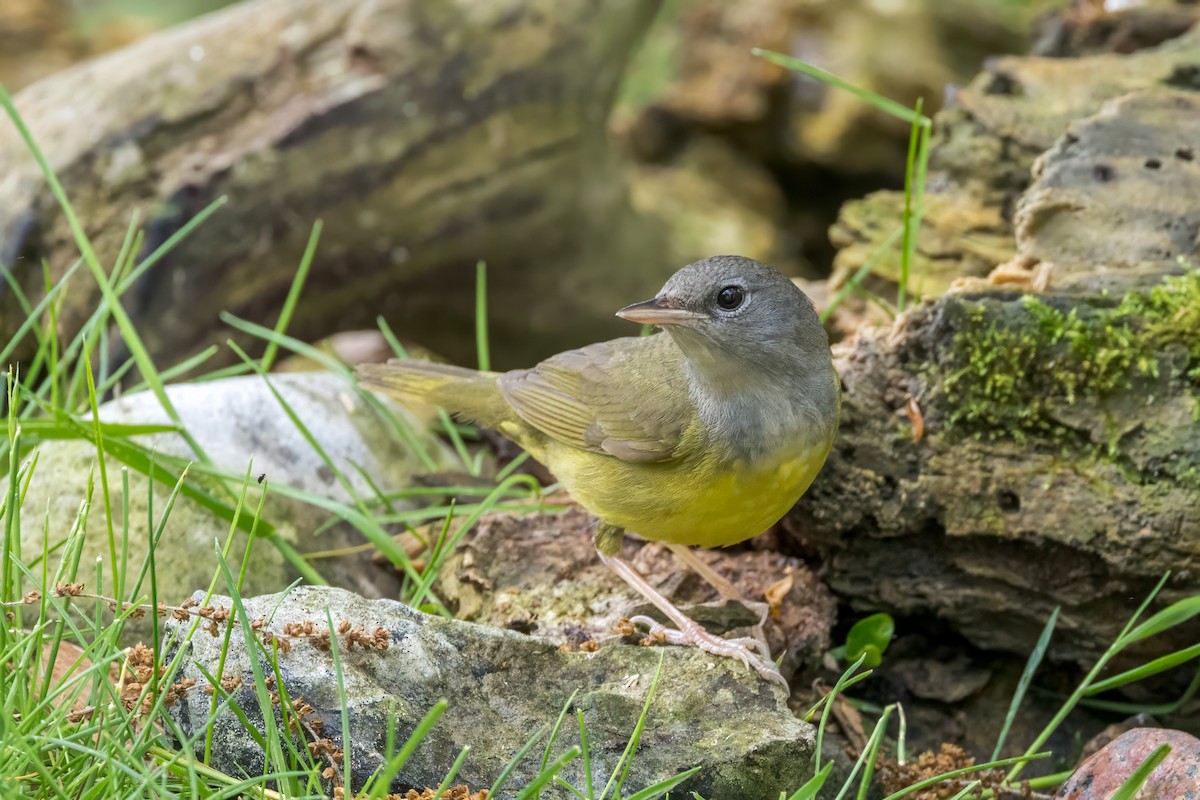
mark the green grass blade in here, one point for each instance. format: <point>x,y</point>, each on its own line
<point>389,336</point>
<point>35,313</point>
<point>481,314</point>
<point>859,274</point>
<point>103,464</point>
<point>662,787</point>
<point>813,785</point>
<point>1078,694</point>
<point>837,689</point>
<point>872,753</point>
<point>945,776</point>
<point>587,758</point>
<point>621,770</point>
<point>335,656</point>
<point>450,774</point>
<point>534,789</point>
<point>868,752</point>
<point>1141,708</point>
<point>555,730</point>
<point>1138,778</point>
<point>911,219</point>
<point>507,772</point>
<point>182,368</point>
<point>1154,667</point>
<point>293,297</point>
<point>1129,626</point>
<point>888,105</point>
<point>402,430</point>
<point>817,706</point>
<point>1175,614</point>
<point>970,787</point>
<point>1031,665</point>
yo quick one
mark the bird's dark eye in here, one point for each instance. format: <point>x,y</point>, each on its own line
<point>730,297</point>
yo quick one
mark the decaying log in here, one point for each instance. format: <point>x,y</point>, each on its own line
<point>427,135</point>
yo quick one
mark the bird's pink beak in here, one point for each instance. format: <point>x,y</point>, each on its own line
<point>659,311</point>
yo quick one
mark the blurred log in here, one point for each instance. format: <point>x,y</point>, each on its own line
<point>427,135</point>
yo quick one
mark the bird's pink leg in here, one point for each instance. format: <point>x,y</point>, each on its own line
<point>688,632</point>
<point>727,590</point>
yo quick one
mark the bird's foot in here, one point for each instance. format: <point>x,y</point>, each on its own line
<point>752,652</point>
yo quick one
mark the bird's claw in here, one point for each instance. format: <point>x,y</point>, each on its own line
<point>753,653</point>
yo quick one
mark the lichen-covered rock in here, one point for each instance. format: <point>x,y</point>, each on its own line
<point>985,145</point>
<point>1030,440</point>
<point>1177,777</point>
<point>1099,27</point>
<point>959,237</point>
<point>501,686</point>
<point>1113,202</point>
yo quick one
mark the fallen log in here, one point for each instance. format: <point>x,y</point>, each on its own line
<point>426,135</point>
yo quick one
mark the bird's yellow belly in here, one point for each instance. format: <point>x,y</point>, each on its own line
<point>693,502</point>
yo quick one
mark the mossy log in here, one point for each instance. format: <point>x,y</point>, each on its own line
<point>426,135</point>
<point>1032,439</point>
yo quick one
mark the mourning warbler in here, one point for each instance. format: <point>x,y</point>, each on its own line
<point>704,436</point>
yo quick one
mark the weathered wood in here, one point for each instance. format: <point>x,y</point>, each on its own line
<point>426,134</point>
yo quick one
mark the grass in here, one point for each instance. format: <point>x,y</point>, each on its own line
<point>84,717</point>
<point>915,170</point>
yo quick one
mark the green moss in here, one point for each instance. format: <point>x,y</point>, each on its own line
<point>1010,364</point>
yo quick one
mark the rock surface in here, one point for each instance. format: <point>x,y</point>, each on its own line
<point>540,574</point>
<point>985,146</point>
<point>1029,440</point>
<point>235,421</point>
<point>502,686</point>
<point>1177,777</point>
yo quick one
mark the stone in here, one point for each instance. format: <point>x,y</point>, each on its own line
<point>1177,777</point>
<point>540,574</point>
<point>236,421</point>
<point>501,686</point>
<point>1129,171</point>
<point>1016,444</point>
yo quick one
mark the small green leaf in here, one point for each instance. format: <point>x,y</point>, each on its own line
<point>809,790</point>
<point>1169,617</point>
<point>1162,664</point>
<point>870,636</point>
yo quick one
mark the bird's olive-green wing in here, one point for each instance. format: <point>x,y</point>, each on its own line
<point>627,398</point>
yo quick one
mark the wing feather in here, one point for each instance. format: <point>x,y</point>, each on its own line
<point>627,398</point>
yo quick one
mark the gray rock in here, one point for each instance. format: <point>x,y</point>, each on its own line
<point>502,687</point>
<point>1074,482</point>
<point>235,420</point>
<point>540,573</point>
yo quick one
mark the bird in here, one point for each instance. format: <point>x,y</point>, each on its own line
<point>702,435</point>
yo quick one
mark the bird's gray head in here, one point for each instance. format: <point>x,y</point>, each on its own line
<point>729,314</point>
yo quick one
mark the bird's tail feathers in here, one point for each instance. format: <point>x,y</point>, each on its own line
<point>466,393</point>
